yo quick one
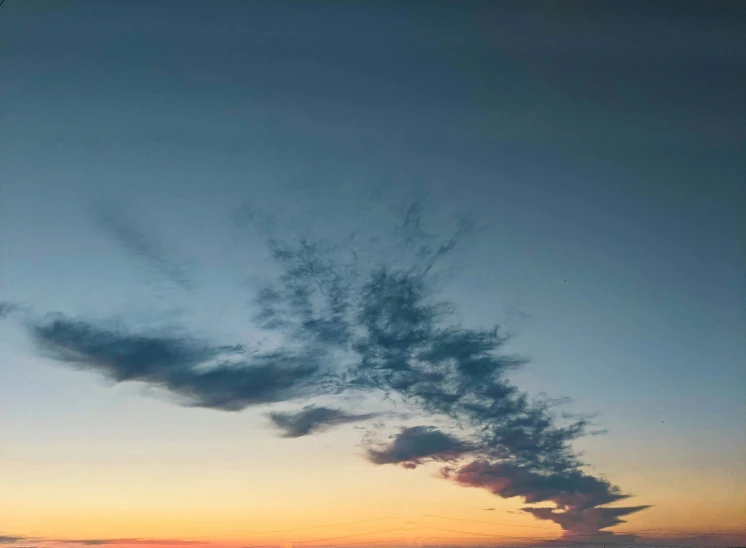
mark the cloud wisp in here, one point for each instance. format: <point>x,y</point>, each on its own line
<point>349,324</point>
<point>312,420</point>
<point>6,309</point>
<point>135,541</point>
<point>9,309</point>
<point>23,541</point>
<point>141,245</point>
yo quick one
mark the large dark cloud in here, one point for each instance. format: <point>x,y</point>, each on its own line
<point>313,419</point>
<point>351,321</point>
<point>384,321</point>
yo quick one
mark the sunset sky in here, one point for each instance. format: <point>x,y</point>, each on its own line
<point>153,152</point>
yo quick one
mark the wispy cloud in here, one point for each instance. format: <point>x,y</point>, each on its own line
<point>312,419</point>
<point>141,245</point>
<point>41,541</point>
<point>7,308</point>
<point>137,541</point>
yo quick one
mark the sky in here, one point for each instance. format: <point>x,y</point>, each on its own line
<point>227,231</point>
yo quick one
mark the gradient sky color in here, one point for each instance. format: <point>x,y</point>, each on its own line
<point>600,144</point>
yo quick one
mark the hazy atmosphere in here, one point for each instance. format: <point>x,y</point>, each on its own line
<point>279,274</point>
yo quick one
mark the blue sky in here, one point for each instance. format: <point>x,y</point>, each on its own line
<point>599,147</point>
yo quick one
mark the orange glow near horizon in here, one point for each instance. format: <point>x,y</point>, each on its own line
<point>216,489</point>
<point>425,530</point>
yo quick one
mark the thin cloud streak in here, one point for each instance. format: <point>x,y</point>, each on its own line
<point>311,420</point>
<point>141,245</point>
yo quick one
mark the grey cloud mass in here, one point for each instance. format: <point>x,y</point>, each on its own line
<point>351,326</point>
<point>398,338</point>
